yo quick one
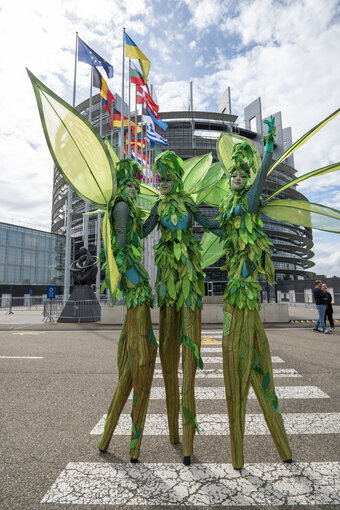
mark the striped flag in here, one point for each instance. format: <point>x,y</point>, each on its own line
<point>137,77</point>
<point>153,136</point>
<point>107,97</point>
<point>132,51</point>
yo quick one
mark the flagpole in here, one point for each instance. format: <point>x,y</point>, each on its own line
<point>69,200</point>
<point>122,103</point>
<point>141,137</point>
<point>87,207</point>
<point>129,114</point>
<point>136,126</point>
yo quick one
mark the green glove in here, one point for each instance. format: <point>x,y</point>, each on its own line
<point>269,139</point>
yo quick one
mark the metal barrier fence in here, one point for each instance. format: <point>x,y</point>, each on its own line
<point>14,304</point>
<point>73,311</point>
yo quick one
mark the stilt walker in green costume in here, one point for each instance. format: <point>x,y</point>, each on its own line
<point>246,352</point>
<point>180,288</point>
<point>137,345</point>
<point>91,168</point>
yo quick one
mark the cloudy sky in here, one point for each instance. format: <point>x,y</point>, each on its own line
<point>285,51</point>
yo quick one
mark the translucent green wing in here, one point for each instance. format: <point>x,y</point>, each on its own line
<point>213,175</point>
<point>315,173</point>
<point>225,145</point>
<point>195,170</point>
<point>303,139</point>
<point>147,198</point>
<point>306,214</point>
<point>215,195</point>
<point>212,249</point>
<point>77,150</point>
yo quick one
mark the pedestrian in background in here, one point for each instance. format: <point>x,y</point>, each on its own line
<point>329,307</point>
<point>320,299</point>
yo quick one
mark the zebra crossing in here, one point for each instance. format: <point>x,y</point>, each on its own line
<point>170,484</point>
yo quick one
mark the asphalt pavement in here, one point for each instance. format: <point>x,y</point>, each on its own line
<point>57,383</point>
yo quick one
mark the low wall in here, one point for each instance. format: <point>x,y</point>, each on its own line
<point>212,313</point>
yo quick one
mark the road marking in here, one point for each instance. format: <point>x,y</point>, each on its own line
<point>21,357</point>
<point>218,393</point>
<point>209,373</point>
<point>207,340</point>
<point>217,424</point>
<point>21,333</point>
<point>203,485</point>
<point>212,359</point>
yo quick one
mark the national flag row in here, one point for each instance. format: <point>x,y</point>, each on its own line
<point>139,78</point>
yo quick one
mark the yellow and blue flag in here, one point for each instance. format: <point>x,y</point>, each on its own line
<point>132,51</point>
<point>89,56</point>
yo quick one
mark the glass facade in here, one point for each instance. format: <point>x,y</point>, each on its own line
<point>30,257</point>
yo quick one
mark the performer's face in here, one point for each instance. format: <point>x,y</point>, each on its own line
<point>166,185</point>
<point>238,180</point>
<point>131,190</point>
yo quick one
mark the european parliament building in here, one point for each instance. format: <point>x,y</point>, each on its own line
<point>193,133</point>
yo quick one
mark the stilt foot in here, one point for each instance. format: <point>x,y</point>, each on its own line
<point>133,461</point>
<point>187,460</point>
<point>288,461</point>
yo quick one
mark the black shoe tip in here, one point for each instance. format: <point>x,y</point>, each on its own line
<point>187,460</point>
<point>288,461</point>
<point>133,461</point>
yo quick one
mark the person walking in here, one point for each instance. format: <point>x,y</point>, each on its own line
<point>320,299</point>
<point>329,307</point>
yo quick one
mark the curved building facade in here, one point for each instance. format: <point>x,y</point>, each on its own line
<point>194,133</point>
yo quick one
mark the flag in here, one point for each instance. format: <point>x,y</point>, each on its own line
<point>159,122</point>
<point>139,156</point>
<point>137,77</point>
<point>132,51</point>
<point>117,123</point>
<point>87,55</point>
<point>139,143</point>
<point>107,97</point>
<point>153,136</point>
<point>146,100</point>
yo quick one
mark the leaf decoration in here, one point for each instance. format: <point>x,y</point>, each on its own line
<point>306,214</point>
<point>78,152</point>
<point>212,249</point>
<point>195,170</point>
<point>113,273</point>
<point>303,140</point>
<point>315,173</point>
<point>189,416</point>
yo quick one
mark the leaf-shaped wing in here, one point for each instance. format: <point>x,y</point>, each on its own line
<point>194,171</point>
<point>315,173</point>
<point>213,175</point>
<point>306,214</point>
<point>77,150</point>
<point>215,195</point>
<point>303,139</point>
<point>147,197</point>
<point>225,145</point>
<point>212,249</point>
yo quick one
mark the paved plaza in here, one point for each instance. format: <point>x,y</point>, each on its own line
<point>57,382</point>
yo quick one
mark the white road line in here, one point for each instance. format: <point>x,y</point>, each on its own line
<point>217,424</point>
<point>207,485</point>
<point>21,357</point>
<point>218,393</point>
<point>219,359</point>
<point>210,373</point>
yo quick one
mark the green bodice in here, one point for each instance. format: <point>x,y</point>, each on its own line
<point>247,251</point>
<point>180,278</point>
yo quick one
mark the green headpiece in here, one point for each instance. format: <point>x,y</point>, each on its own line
<point>127,170</point>
<point>169,166</point>
<point>244,159</point>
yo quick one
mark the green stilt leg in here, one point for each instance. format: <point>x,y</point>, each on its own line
<point>136,361</point>
<point>247,359</point>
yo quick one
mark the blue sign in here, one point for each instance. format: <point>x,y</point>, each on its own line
<point>31,292</point>
<point>51,291</point>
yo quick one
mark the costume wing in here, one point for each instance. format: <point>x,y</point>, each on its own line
<point>77,150</point>
<point>212,249</point>
<point>303,139</point>
<point>225,145</point>
<point>195,170</point>
<point>84,160</point>
<point>306,214</point>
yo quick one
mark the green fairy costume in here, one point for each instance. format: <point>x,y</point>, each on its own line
<point>92,169</point>
<point>180,289</point>
<point>137,345</point>
<point>246,352</point>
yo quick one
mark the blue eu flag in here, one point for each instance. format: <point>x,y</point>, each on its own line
<point>87,55</point>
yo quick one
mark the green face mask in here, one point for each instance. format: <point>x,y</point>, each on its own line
<point>238,180</point>
<point>167,185</point>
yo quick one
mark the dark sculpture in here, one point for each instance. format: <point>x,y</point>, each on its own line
<point>84,270</point>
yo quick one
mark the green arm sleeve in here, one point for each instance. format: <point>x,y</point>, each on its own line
<point>253,195</point>
<point>121,213</point>
<point>151,222</point>
<point>212,225</point>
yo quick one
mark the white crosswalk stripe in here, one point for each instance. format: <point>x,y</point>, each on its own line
<point>218,393</point>
<point>217,424</point>
<point>216,359</point>
<point>217,373</point>
<point>208,485</point>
